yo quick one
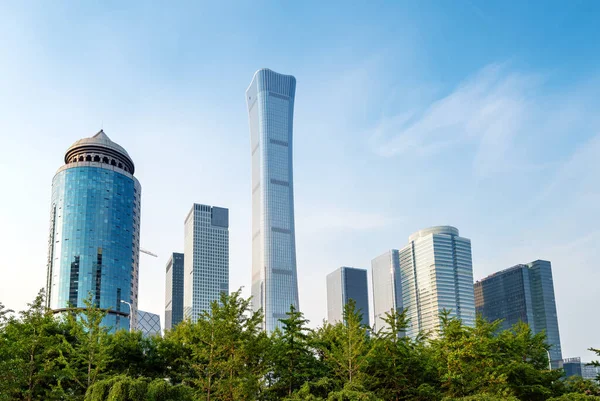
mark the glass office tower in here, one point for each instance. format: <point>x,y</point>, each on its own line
<point>522,293</point>
<point>270,100</point>
<point>344,284</point>
<point>148,323</point>
<point>437,274</point>
<point>387,286</point>
<point>95,231</point>
<point>206,259</point>
<point>174,291</point>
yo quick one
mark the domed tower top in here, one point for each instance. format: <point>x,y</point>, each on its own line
<point>99,148</point>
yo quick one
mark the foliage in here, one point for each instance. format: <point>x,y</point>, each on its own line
<point>225,356</point>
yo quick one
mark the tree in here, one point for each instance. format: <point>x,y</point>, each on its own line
<point>86,353</point>
<point>28,352</point>
<point>293,362</point>
<point>347,347</point>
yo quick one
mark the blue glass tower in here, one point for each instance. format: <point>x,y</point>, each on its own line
<point>344,284</point>
<point>94,231</point>
<point>270,100</point>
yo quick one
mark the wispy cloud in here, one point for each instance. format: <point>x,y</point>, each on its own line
<point>488,109</point>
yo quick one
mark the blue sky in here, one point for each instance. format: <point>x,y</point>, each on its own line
<point>478,114</point>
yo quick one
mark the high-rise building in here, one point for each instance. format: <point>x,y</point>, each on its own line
<point>206,258</point>
<point>387,286</point>
<point>270,100</point>
<point>522,293</point>
<point>437,275</point>
<point>571,366</point>
<point>590,372</point>
<point>174,291</point>
<point>95,231</point>
<point>344,284</point>
<point>148,323</point>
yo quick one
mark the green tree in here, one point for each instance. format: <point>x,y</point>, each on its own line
<point>86,353</point>
<point>293,362</point>
<point>29,347</point>
<point>347,347</point>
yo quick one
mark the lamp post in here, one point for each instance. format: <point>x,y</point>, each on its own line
<point>130,317</point>
<point>549,359</point>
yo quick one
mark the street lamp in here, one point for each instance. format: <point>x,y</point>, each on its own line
<point>547,352</point>
<point>130,317</point>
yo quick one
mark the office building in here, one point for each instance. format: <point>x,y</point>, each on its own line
<point>571,366</point>
<point>206,258</point>
<point>95,231</point>
<point>270,100</point>
<point>522,293</point>
<point>148,323</point>
<point>387,286</point>
<point>437,275</point>
<point>344,284</point>
<point>174,291</point>
<point>590,372</point>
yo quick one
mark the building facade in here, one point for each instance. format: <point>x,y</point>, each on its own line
<point>95,231</point>
<point>437,274</point>
<point>590,372</point>
<point>206,258</point>
<point>387,286</point>
<point>148,323</point>
<point>270,100</point>
<point>571,366</point>
<point>344,284</point>
<point>174,291</point>
<point>522,293</point>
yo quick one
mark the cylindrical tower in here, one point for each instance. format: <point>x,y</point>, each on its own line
<point>95,231</point>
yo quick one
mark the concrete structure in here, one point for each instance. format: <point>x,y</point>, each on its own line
<point>206,258</point>
<point>437,275</point>
<point>270,100</point>
<point>344,284</point>
<point>522,293</point>
<point>148,323</point>
<point>387,286</point>
<point>174,291</point>
<point>95,231</point>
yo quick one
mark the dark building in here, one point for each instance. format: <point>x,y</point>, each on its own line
<point>174,291</point>
<point>572,367</point>
<point>342,285</point>
<point>522,293</point>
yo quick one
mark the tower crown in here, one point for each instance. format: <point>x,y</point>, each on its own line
<point>101,149</point>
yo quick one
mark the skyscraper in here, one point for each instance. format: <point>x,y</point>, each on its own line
<point>344,284</point>
<point>206,258</point>
<point>387,286</point>
<point>148,323</point>
<point>522,293</point>
<point>270,100</point>
<point>174,291</point>
<point>437,275</point>
<point>95,231</point>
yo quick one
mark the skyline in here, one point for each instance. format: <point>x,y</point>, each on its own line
<point>523,192</point>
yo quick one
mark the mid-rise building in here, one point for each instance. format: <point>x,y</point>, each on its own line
<point>148,323</point>
<point>437,274</point>
<point>270,100</point>
<point>387,286</point>
<point>95,231</point>
<point>590,372</point>
<point>344,284</point>
<point>522,293</point>
<point>174,291</point>
<point>571,366</point>
<point>206,258</point>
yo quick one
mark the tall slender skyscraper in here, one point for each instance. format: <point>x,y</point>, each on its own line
<point>174,291</point>
<point>437,274</point>
<point>387,286</point>
<point>344,284</point>
<point>270,100</point>
<point>522,293</point>
<point>95,231</point>
<point>206,258</point>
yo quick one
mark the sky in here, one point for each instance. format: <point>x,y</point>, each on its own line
<point>478,114</point>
